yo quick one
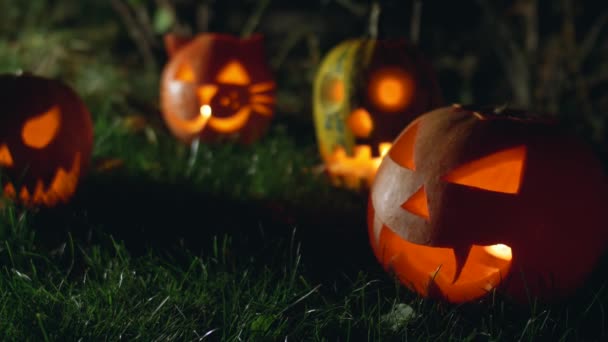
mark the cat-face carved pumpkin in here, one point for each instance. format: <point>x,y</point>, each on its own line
<point>365,93</point>
<point>217,86</point>
<point>46,139</point>
<point>467,201</point>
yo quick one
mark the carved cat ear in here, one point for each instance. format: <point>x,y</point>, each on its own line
<point>174,43</point>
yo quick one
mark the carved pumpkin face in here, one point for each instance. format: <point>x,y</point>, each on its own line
<point>46,139</point>
<point>467,201</point>
<point>217,86</point>
<point>365,93</point>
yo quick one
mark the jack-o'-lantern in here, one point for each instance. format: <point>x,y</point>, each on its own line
<point>46,140</point>
<point>217,87</point>
<point>365,92</point>
<point>468,200</point>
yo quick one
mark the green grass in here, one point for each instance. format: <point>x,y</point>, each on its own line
<point>247,243</point>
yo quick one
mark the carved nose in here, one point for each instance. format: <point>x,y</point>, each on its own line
<point>417,204</point>
<point>360,122</point>
<point>205,93</point>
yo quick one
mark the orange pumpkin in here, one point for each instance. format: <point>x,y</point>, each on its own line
<point>365,92</point>
<point>217,87</point>
<point>46,139</point>
<point>468,200</point>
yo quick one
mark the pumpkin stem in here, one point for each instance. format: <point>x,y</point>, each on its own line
<point>174,43</point>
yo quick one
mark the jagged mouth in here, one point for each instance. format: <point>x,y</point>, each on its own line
<point>205,118</point>
<point>361,166</point>
<point>439,271</point>
<point>59,189</point>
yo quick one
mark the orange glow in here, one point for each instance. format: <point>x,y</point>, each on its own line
<point>417,204</point>
<point>185,73</point>
<point>500,172</point>
<point>205,111</point>
<point>262,99</point>
<point>403,152</point>
<point>6,159</point>
<point>261,109</point>
<point>500,251</point>
<point>391,89</point>
<point>360,122</point>
<point>361,167</point>
<point>422,268</point>
<point>61,188</point>
<point>333,90</point>
<point>233,73</point>
<point>191,126</point>
<point>232,123</point>
<point>383,148</point>
<point>261,87</point>
<point>260,102</point>
<point>205,93</point>
<point>38,132</point>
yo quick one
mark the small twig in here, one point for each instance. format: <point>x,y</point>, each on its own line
<point>203,17</point>
<point>374,20</point>
<point>515,61</point>
<point>581,90</point>
<point>134,31</point>
<point>314,50</point>
<point>292,39</point>
<point>415,23</point>
<point>356,9</point>
<point>146,26</point>
<point>255,18</point>
<point>591,38</point>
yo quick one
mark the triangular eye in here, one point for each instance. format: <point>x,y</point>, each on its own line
<point>499,172</point>
<point>403,150</point>
<point>233,73</point>
<point>185,73</point>
<point>333,90</point>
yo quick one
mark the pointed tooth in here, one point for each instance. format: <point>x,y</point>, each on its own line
<point>39,193</point>
<point>461,254</point>
<point>24,195</point>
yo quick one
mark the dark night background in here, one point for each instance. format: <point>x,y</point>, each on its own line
<point>236,211</point>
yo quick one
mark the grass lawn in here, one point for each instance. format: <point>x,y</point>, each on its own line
<point>248,243</point>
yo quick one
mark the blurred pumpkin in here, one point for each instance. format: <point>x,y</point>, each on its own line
<point>46,139</point>
<point>468,200</point>
<point>217,86</point>
<point>365,92</point>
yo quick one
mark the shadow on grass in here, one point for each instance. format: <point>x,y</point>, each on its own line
<point>147,214</point>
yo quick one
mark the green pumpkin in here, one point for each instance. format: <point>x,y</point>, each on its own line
<point>365,92</point>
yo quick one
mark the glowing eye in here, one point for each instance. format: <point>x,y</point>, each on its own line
<point>38,132</point>
<point>391,89</point>
<point>403,150</point>
<point>185,73</point>
<point>233,73</point>
<point>417,204</point>
<point>333,91</point>
<point>499,172</point>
